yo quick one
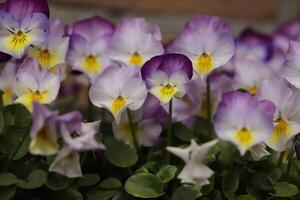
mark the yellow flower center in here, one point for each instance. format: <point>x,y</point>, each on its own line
<point>281,128</point>
<point>37,96</point>
<point>44,143</point>
<point>118,104</point>
<point>245,137</point>
<point>92,64</point>
<point>136,59</point>
<point>45,58</point>
<point>253,90</point>
<point>18,41</point>
<point>204,64</point>
<point>167,90</point>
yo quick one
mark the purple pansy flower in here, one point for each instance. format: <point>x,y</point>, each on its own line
<point>35,85</point>
<point>67,162</point>
<point>23,23</point>
<point>167,76</point>
<point>117,89</point>
<point>135,41</point>
<point>43,131</point>
<point>207,41</point>
<point>243,120</point>
<point>53,50</point>
<point>292,64</point>
<point>287,114</point>
<point>48,126</point>
<point>88,45</point>
<point>287,31</point>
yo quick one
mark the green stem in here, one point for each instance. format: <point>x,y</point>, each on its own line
<point>208,99</point>
<point>209,111</point>
<point>288,168</point>
<point>169,133</point>
<point>135,143</point>
<point>280,159</point>
<point>13,155</point>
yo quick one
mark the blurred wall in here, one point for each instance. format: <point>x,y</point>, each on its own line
<point>277,11</point>
<point>171,23</point>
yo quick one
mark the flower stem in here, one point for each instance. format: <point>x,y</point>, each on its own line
<point>135,143</point>
<point>208,99</point>
<point>209,110</point>
<point>289,159</point>
<point>169,133</point>
<point>280,159</point>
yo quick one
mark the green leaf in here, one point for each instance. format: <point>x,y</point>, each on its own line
<point>182,132</point>
<point>119,153</point>
<point>230,184</point>
<point>146,167</point>
<point>7,179</point>
<point>7,193</point>
<point>275,175</point>
<point>2,123</point>
<point>88,180</point>
<point>246,197</point>
<point>144,185</point>
<point>57,182</point>
<point>16,114</point>
<point>186,193</point>
<point>166,173</point>
<point>24,148</point>
<point>11,139</point>
<point>227,153</point>
<point>261,181</point>
<point>96,194</point>
<point>285,189</point>
<point>110,183</point>
<point>36,179</point>
<point>69,194</point>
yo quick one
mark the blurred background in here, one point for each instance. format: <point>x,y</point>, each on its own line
<point>170,15</point>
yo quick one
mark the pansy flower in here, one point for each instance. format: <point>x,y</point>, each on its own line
<point>117,89</point>
<point>195,171</point>
<point>76,140</point>
<point>243,120</point>
<point>292,64</point>
<point>48,126</point>
<point>53,50</point>
<point>7,78</point>
<point>35,85</point>
<point>286,117</point>
<point>23,23</point>
<point>88,45</point>
<point>207,41</point>
<point>135,41</point>
<point>167,76</point>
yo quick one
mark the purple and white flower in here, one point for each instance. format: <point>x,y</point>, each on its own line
<point>287,114</point>
<point>135,41</point>
<point>117,89</point>
<point>35,85</point>
<point>167,76</point>
<point>207,41</point>
<point>23,23</point>
<point>243,120</point>
<point>88,45</point>
<point>53,50</point>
